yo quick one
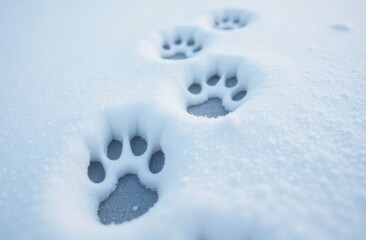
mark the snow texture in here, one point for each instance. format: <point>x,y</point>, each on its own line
<point>183,120</point>
<point>130,200</point>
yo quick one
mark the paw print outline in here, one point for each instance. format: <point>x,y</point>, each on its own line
<point>182,42</point>
<point>219,86</point>
<point>135,160</point>
<point>230,19</point>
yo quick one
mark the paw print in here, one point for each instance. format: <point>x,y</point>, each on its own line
<point>128,159</point>
<point>222,88</point>
<point>182,42</point>
<point>230,19</point>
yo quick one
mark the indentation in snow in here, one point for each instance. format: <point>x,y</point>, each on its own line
<point>220,85</point>
<point>229,19</point>
<point>157,161</point>
<point>182,42</point>
<point>129,200</point>
<point>340,27</point>
<point>114,149</point>
<point>96,172</point>
<point>138,145</point>
<point>135,170</point>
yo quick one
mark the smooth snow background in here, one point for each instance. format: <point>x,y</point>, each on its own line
<point>288,164</point>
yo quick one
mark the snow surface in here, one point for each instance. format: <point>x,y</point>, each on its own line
<point>287,162</point>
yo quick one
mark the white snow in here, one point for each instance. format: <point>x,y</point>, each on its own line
<point>287,162</point>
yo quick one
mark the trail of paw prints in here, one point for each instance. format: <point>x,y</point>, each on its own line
<point>132,157</point>
<point>182,42</point>
<point>219,87</point>
<point>230,19</point>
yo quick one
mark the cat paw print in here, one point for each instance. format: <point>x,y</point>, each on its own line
<point>182,42</point>
<point>229,19</point>
<point>219,87</point>
<point>128,159</point>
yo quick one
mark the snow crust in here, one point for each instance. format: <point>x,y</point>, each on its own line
<point>287,162</point>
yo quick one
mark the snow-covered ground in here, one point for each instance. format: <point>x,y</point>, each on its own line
<point>285,159</point>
